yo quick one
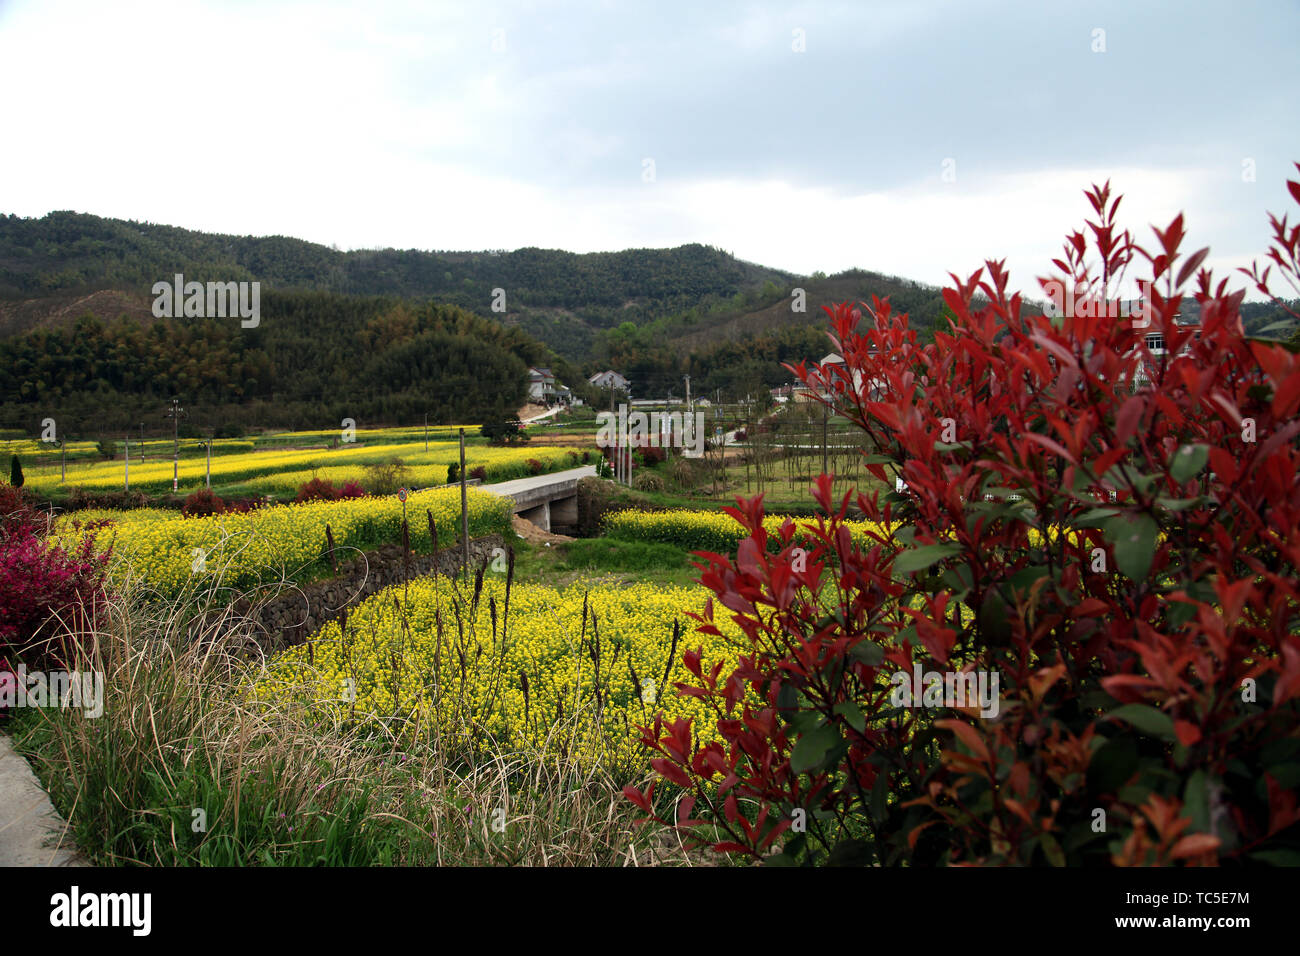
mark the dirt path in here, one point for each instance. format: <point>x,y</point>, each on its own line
<point>535,535</point>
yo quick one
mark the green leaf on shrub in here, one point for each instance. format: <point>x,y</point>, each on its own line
<point>920,558</point>
<point>1177,504</point>
<point>1094,518</point>
<point>1278,857</point>
<point>1179,613</point>
<point>806,721</point>
<point>880,798</point>
<point>994,623</point>
<point>1149,720</point>
<point>813,747</point>
<point>958,580</point>
<point>851,853</point>
<point>1052,850</point>
<point>868,652</point>
<point>1024,579</point>
<point>1112,766</point>
<point>1196,801</point>
<point>849,711</point>
<point>1187,461</point>
<point>1135,545</point>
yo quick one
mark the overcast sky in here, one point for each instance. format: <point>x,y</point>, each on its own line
<point>803,136</point>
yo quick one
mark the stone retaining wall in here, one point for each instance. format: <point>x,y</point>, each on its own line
<point>293,616</point>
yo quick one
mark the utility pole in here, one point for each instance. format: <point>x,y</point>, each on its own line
<point>63,460</point>
<point>825,418</point>
<point>126,475</point>
<point>175,412</point>
<point>464,507</point>
<point>426,433</point>
<point>208,474</point>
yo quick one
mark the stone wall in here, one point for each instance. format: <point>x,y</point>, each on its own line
<point>297,613</point>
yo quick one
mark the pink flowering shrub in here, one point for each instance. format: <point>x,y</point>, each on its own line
<point>40,581</point>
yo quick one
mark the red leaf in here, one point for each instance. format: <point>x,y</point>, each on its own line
<point>1189,267</point>
<point>1194,845</point>
<point>670,772</point>
<point>1188,733</point>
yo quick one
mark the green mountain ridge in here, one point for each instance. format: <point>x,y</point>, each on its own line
<point>391,335</point>
<point>563,297</point>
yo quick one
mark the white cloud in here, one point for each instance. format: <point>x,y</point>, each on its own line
<point>396,125</point>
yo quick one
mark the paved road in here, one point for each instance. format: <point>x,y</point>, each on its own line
<point>512,488</point>
<point>30,829</point>
<point>553,410</point>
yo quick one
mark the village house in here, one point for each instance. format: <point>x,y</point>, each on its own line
<point>609,379</point>
<point>544,389</point>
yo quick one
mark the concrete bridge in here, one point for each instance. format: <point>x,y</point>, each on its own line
<point>545,500</point>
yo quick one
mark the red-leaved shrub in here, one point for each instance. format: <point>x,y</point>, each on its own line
<point>352,489</point>
<point>17,513</point>
<point>317,489</point>
<point>202,503</point>
<point>48,595</point>
<point>1110,532</point>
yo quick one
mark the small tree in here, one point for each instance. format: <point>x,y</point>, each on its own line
<point>503,432</point>
<point>385,477</point>
<point>15,472</point>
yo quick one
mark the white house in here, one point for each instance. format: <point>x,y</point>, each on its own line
<point>609,379</point>
<point>543,388</point>
<point>1155,344</point>
<point>834,358</point>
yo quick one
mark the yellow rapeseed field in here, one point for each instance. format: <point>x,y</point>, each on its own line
<point>720,533</point>
<point>174,554</point>
<point>426,660</point>
<point>700,530</point>
<point>276,471</point>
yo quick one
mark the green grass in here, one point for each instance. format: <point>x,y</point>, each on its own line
<point>780,496</point>
<point>563,563</point>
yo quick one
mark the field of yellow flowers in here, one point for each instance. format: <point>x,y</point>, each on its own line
<point>575,669</point>
<point>697,530</point>
<point>173,554</point>
<point>720,533</point>
<point>283,471</point>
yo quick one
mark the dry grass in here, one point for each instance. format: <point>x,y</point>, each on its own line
<point>184,768</point>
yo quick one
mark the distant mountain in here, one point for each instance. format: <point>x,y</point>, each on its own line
<point>379,333</point>
<point>50,266</point>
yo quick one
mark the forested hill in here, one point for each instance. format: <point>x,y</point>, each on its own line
<point>315,358</point>
<point>654,314</point>
<point>563,298</point>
